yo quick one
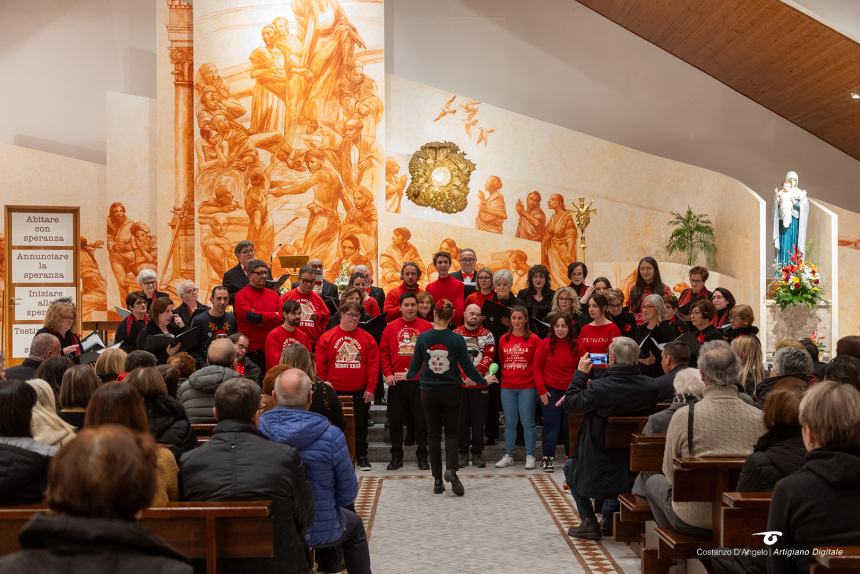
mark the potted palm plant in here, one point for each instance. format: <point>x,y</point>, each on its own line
<point>693,235</point>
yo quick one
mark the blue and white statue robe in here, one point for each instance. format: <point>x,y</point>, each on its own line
<point>790,214</point>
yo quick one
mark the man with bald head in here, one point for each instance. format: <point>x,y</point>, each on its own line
<point>44,346</point>
<point>322,448</point>
<point>197,394</point>
<point>481,346</point>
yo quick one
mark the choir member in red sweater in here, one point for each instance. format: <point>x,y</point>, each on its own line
<point>555,363</point>
<point>410,273</point>
<point>517,354</point>
<point>484,290</point>
<point>596,336</point>
<point>315,314</point>
<point>285,334</point>
<point>473,404</point>
<point>446,287</point>
<point>257,310</point>
<point>359,281</point>
<point>395,353</point>
<point>348,358</point>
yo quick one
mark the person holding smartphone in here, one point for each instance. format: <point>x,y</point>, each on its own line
<point>595,337</point>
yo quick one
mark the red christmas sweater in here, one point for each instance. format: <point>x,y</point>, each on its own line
<point>596,339</point>
<point>315,314</point>
<point>518,356</point>
<point>257,311</point>
<point>398,344</point>
<point>279,338</point>
<point>392,301</point>
<point>554,368</point>
<point>371,306</point>
<point>451,289</point>
<point>478,298</point>
<point>349,360</point>
<point>481,346</point>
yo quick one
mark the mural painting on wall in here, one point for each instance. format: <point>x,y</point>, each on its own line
<point>291,162</point>
<point>131,247</point>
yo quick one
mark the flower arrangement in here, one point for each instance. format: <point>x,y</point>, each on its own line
<point>818,341</point>
<point>798,283</point>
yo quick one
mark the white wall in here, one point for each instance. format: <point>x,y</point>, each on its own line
<point>558,61</point>
<point>553,60</point>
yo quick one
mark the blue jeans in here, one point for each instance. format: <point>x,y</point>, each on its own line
<point>519,405</point>
<point>554,423</point>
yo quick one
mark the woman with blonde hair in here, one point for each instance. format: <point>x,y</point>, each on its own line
<point>565,300</point>
<point>742,319</point>
<point>60,321</point>
<point>752,362</point>
<point>324,399</point>
<point>48,428</point>
<point>110,364</point>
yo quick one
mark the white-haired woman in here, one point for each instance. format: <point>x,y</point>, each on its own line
<point>655,331</point>
<point>148,281</point>
<point>190,306</point>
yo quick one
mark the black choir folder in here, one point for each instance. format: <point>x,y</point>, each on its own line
<point>188,338</point>
<point>375,326</point>
<point>540,328</point>
<point>494,312</point>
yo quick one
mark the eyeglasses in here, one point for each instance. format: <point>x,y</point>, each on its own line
<point>307,281</point>
<point>615,305</point>
<point>246,252</point>
<point>564,299</point>
<point>195,290</point>
<point>151,282</point>
<point>468,259</point>
<point>352,315</point>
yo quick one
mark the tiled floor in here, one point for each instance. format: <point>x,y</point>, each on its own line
<point>509,521</point>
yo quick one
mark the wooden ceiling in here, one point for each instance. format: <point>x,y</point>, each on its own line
<point>768,51</point>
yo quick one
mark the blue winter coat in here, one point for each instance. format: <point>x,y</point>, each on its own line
<point>322,448</point>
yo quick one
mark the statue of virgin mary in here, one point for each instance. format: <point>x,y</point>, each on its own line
<point>790,214</point>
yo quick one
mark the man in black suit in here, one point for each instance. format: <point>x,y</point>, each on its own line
<point>676,356</point>
<point>467,273</point>
<point>44,346</point>
<point>237,277</point>
<point>375,292</point>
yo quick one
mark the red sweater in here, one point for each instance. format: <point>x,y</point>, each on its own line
<point>481,346</point>
<point>478,298</point>
<point>349,360</point>
<point>279,338</point>
<point>257,311</point>
<point>596,339</point>
<point>452,290</point>
<point>371,306</point>
<point>554,368</point>
<point>315,314</point>
<point>398,343</point>
<point>518,357</point>
<point>392,301</point>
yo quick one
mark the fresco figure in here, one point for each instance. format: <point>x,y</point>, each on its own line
<point>354,156</point>
<point>144,246</point>
<point>359,99</point>
<point>559,244</point>
<point>394,185</point>
<point>269,70</point>
<point>119,246</point>
<point>212,104</point>
<point>261,230</point>
<point>217,247</point>
<point>321,233</point>
<point>93,284</point>
<point>393,258</point>
<point>350,250</point>
<point>491,207</point>
<point>361,221</point>
<point>208,77</point>
<point>532,223</point>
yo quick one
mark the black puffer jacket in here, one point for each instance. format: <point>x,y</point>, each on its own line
<point>23,470</point>
<point>98,546</point>
<point>778,453</point>
<point>813,506</point>
<point>169,424</point>
<point>239,463</point>
<point>197,394</point>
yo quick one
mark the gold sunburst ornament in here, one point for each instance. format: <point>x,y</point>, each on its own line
<point>440,177</point>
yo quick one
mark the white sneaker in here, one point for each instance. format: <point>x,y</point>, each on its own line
<point>531,463</point>
<point>506,460</point>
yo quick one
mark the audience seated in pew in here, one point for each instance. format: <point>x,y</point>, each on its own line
<point>598,472</point>
<point>121,404</point>
<point>137,359</point>
<point>325,399</point>
<point>816,505</point>
<point>23,460</point>
<point>43,347</point>
<point>52,371</point>
<point>165,416</point>
<point>848,345</point>
<point>788,363</point>
<point>675,357</point>
<point>197,394</point>
<point>48,428</point>
<point>721,425</point>
<point>97,485</point>
<point>110,364</point>
<point>324,452</point>
<point>79,384</point>
<point>239,463</point>
<point>844,369</point>
<point>688,387</point>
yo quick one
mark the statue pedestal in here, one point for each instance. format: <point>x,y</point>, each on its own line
<point>798,322</point>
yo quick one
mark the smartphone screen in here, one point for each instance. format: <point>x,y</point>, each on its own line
<point>598,358</point>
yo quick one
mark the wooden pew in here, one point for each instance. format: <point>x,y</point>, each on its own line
<point>741,515</point>
<point>847,563</point>
<point>619,431</point>
<point>202,431</point>
<point>348,407</point>
<point>211,531</point>
<point>699,479</point>
<point>646,452</point>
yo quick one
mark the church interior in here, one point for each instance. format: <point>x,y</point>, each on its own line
<point>632,211</point>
